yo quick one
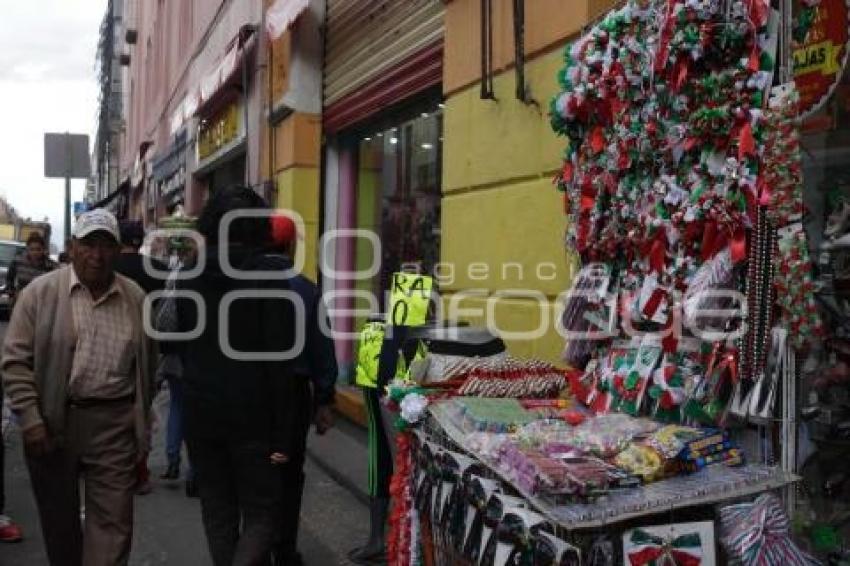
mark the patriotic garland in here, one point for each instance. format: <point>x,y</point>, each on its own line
<point>402,547</point>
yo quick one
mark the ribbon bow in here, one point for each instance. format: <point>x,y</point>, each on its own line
<point>758,533</point>
<point>652,550</point>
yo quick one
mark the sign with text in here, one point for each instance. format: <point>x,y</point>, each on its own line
<point>410,295</point>
<point>67,156</point>
<point>819,60</point>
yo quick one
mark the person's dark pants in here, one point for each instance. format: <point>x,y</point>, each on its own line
<point>292,475</point>
<point>174,430</point>
<point>380,457</point>
<point>2,468</point>
<point>239,487</point>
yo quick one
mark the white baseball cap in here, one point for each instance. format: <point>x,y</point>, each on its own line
<point>94,220</point>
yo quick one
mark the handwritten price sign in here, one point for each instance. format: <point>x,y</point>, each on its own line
<point>410,296</point>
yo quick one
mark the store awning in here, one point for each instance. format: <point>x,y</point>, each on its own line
<point>281,14</point>
<point>227,71</point>
<point>166,165</point>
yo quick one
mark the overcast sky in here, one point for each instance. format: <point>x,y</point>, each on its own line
<point>47,84</point>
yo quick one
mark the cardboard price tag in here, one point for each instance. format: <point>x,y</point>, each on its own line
<point>409,298</point>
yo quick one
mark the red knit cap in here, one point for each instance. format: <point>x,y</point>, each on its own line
<point>283,230</point>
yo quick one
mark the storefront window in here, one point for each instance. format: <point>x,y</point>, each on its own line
<point>398,195</point>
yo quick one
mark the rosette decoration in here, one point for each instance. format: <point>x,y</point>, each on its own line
<point>758,534</point>
<point>408,401</point>
<point>652,550</point>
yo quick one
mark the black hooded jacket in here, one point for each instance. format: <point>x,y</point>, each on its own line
<point>225,396</point>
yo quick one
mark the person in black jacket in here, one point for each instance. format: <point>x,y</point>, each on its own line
<point>237,385</point>
<point>316,366</point>
<point>130,263</point>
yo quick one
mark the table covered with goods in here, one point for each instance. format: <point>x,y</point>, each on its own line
<point>531,472</point>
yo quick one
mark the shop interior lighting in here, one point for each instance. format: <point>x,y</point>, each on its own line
<point>441,105</point>
<point>393,140</point>
<point>427,146</point>
<point>367,139</point>
<point>425,114</point>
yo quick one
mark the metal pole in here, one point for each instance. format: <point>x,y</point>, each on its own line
<point>67,208</point>
<point>68,168</point>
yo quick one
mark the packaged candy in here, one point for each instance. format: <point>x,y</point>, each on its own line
<point>641,461</point>
<point>606,436</point>
<point>472,414</point>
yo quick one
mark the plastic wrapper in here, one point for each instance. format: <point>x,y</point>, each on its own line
<point>641,461</point>
<point>608,435</point>
<point>471,414</point>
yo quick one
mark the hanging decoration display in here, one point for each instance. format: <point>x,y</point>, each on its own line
<point>681,165</point>
<point>821,35</point>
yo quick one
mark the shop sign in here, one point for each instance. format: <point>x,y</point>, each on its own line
<point>410,296</point>
<point>173,184</point>
<point>218,131</point>
<point>819,61</point>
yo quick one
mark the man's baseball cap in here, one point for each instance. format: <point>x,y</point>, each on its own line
<point>96,220</point>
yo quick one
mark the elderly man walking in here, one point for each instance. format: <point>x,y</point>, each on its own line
<point>77,369</point>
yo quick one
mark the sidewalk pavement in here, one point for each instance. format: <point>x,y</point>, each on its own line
<point>168,527</point>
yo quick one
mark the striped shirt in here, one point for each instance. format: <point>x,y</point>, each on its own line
<point>104,355</point>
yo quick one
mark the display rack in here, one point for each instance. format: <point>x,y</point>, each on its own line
<point>711,486</point>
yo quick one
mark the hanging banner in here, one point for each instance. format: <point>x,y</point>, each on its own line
<point>410,295</point>
<point>819,60</point>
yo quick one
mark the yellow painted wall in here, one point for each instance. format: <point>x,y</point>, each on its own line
<point>7,231</point>
<point>298,190</point>
<point>502,220</point>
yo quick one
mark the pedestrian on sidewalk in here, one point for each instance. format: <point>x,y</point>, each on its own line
<point>77,367</point>
<point>131,264</point>
<point>9,530</point>
<point>31,264</point>
<point>171,364</point>
<point>316,366</point>
<point>236,383</point>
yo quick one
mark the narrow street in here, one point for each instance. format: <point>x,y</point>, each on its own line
<point>168,527</point>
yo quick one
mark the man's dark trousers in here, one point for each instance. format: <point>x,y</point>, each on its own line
<point>292,474</point>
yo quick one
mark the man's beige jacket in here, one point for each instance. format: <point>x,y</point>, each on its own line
<point>39,347</point>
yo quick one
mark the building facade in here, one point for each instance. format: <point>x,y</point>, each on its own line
<point>400,118</point>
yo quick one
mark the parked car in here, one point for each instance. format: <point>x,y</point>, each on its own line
<point>9,250</point>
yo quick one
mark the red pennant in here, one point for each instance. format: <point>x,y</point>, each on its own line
<point>738,247</point>
<point>746,142</point>
<point>681,73</point>
<point>758,12</point>
<point>753,63</point>
<point>651,306</point>
<point>597,139</point>
<point>657,254</point>
<point>670,343</point>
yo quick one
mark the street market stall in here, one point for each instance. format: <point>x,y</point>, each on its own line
<point>671,438</point>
